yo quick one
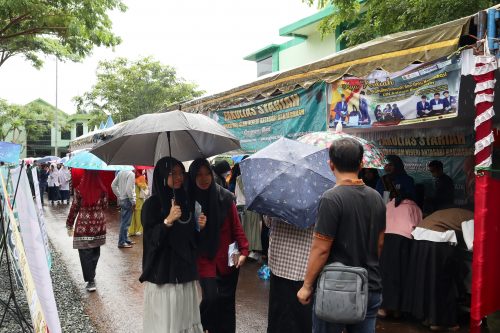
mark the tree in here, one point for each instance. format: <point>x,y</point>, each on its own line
<point>368,19</point>
<point>126,89</point>
<point>68,29</point>
<point>17,120</point>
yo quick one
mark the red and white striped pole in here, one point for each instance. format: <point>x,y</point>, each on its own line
<point>484,75</point>
<point>486,232</point>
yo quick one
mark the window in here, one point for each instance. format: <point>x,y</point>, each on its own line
<point>79,129</point>
<point>65,134</point>
<point>265,66</point>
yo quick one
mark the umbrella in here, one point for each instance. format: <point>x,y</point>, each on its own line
<point>146,139</point>
<point>9,152</point>
<point>89,161</point>
<point>64,160</point>
<point>372,157</point>
<point>48,159</point>
<point>286,179</point>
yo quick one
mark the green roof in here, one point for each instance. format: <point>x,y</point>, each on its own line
<point>289,30</point>
<point>263,53</point>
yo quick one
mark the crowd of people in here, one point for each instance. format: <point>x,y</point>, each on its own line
<point>191,219</point>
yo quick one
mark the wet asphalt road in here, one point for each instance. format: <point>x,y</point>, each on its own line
<point>117,304</point>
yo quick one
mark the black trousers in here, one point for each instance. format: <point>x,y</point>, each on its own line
<point>286,314</point>
<point>218,305</point>
<point>88,260</point>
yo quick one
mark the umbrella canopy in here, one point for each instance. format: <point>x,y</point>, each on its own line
<point>372,157</point>
<point>89,161</point>
<point>49,159</point>
<point>286,179</point>
<point>146,139</point>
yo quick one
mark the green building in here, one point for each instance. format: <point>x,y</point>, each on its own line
<point>69,127</point>
<point>306,45</point>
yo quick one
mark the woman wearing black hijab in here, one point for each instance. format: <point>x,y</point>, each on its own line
<point>169,257</point>
<point>396,179</point>
<point>217,279</point>
<point>222,170</point>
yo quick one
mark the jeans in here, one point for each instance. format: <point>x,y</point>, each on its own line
<point>43,189</point>
<point>366,326</point>
<point>125,219</point>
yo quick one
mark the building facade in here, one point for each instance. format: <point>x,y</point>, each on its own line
<point>306,45</point>
<point>69,127</point>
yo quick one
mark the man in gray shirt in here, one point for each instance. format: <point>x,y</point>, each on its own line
<point>124,188</point>
<point>350,230</point>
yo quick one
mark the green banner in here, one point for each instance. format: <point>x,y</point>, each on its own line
<point>289,115</point>
<point>454,148</point>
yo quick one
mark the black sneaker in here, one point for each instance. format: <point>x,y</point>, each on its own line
<point>91,286</point>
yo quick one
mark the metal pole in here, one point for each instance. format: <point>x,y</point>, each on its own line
<point>56,116</point>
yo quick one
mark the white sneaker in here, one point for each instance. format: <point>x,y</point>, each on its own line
<point>91,286</point>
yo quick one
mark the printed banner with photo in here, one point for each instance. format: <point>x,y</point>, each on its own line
<point>289,115</point>
<point>454,149</point>
<point>37,315</point>
<point>430,92</point>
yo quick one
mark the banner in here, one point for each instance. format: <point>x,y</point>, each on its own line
<point>289,115</point>
<point>427,93</point>
<point>37,315</point>
<point>454,148</point>
<point>9,152</point>
<point>41,217</point>
<point>35,250</point>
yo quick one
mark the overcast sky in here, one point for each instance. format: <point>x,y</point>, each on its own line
<point>204,40</point>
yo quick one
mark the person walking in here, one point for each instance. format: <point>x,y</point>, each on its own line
<point>43,177</point>
<point>89,231</point>
<point>169,272</point>
<point>289,248</point>
<point>53,183</point>
<point>349,230</point>
<point>218,275</point>
<point>64,179</point>
<point>141,194</point>
<point>123,187</point>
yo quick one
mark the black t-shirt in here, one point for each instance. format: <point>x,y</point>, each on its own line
<point>353,216</point>
<point>445,192</point>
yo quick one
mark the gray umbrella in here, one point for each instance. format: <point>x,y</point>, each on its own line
<point>146,139</point>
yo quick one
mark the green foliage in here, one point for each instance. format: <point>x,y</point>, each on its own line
<point>126,89</point>
<point>68,29</point>
<point>369,19</point>
<point>17,120</point>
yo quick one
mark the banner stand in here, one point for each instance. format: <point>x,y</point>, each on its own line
<point>14,310</point>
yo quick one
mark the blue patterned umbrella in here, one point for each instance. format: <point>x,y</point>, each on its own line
<point>286,180</point>
<point>89,161</point>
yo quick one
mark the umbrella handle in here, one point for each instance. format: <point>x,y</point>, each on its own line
<point>171,166</point>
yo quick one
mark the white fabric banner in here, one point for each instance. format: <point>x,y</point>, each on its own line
<point>35,250</point>
<point>41,217</point>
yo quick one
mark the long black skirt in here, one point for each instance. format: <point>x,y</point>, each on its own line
<point>431,289</point>
<point>54,194</point>
<point>394,262</point>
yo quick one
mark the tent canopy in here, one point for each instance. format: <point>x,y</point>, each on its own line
<point>390,53</point>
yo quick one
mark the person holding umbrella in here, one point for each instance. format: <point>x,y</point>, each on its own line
<point>169,257</point>
<point>218,274</point>
<point>89,233</point>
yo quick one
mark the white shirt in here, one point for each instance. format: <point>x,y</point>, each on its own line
<point>64,177</point>
<point>123,186</point>
<point>53,179</point>
<point>238,192</point>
